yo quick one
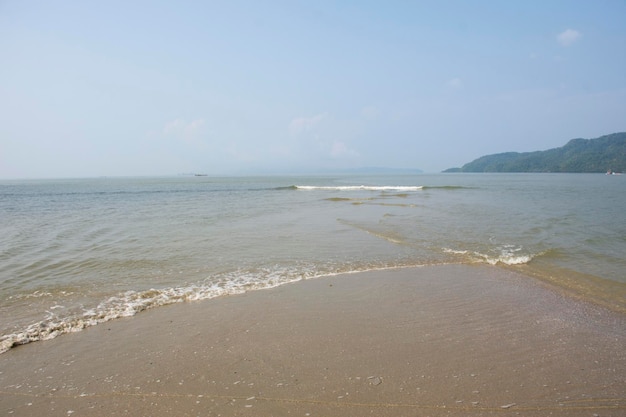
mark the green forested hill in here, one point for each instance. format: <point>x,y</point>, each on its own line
<point>578,155</point>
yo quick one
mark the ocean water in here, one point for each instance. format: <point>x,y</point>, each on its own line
<point>78,252</point>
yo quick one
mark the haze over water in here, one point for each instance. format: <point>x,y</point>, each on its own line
<point>75,253</point>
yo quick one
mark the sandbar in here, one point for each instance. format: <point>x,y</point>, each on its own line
<point>449,340</point>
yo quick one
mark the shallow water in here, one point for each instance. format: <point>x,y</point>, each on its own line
<point>74,253</point>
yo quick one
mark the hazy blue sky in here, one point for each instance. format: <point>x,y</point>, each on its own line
<point>91,88</point>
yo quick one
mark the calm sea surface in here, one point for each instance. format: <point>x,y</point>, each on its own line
<point>74,253</point>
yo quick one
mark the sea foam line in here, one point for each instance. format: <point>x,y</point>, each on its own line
<point>505,257</point>
<point>361,187</point>
<point>132,302</point>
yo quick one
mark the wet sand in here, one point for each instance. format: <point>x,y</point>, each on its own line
<point>432,341</point>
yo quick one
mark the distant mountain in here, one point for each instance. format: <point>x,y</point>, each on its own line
<point>578,155</point>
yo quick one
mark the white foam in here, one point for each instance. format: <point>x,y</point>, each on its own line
<point>361,187</point>
<point>455,251</point>
<point>132,302</point>
<point>129,303</point>
<point>507,255</point>
<point>509,260</point>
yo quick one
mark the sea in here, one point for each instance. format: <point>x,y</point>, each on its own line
<point>76,253</point>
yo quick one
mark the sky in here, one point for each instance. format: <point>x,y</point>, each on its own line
<point>126,88</point>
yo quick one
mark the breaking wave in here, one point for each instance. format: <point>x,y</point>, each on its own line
<point>507,255</point>
<point>361,187</point>
<point>129,303</point>
<point>132,302</point>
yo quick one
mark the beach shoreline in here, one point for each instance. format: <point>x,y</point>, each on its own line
<point>432,340</point>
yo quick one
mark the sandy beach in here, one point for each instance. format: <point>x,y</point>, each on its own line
<point>431,341</point>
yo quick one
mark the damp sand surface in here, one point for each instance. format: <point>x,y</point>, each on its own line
<point>430,341</point>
